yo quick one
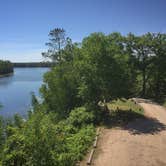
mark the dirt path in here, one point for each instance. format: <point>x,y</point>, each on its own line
<point>140,143</point>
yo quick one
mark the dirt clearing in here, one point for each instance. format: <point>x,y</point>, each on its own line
<point>140,143</point>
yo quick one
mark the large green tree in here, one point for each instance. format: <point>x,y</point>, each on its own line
<point>104,71</point>
<point>97,70</point>
<point>158,77</point>
<point>141,54</point>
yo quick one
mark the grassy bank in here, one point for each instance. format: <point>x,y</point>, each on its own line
<point>124,104</point>
<point>122,111</point>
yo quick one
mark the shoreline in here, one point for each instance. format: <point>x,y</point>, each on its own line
<point>6,75</point>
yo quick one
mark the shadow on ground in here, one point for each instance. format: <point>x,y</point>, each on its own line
<point>134,122</point>
<point>145,126</point>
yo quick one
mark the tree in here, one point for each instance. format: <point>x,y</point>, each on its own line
<point>57,42</point>
<point>140,50</point>
<point>157,81</point>
<point>104,73</point>
<point>6,67</point>
<point>60,89</point>
<point>2,139</point>
<point>18,121</point>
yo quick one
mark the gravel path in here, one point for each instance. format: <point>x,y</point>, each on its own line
<point>140,143</point>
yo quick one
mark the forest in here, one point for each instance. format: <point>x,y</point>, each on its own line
<point>59,130</point>
<point>6,67</point>
<point>33,64</point>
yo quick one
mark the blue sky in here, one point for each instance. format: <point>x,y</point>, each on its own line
<point>25,24</point>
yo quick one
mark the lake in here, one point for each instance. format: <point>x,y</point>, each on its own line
<point>15,91</point>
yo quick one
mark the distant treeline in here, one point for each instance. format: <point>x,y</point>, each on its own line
<point>33,64</point>
<point>6,67</point>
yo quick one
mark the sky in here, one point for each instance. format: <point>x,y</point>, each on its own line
<point>25,24</point>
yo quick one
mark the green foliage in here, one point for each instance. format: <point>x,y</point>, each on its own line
<point>13,152</point>
<point>33,64</point>
<point>60,90</point>
<point>102,68</point>
<point>147,54</point>
<point>164,104</point>
<point>34,100</point>
<point>95,71</point>
<point>43,141</point>
<point>80,116</point>
<point>6,67</point>
<point>122,111</point>
<point>1,133</point>
<point>124,104</point>
<point>105,72</point>
<point>79,143</point>
<point>57,42</point>
<point>157,80</point>
<point>18,121</point>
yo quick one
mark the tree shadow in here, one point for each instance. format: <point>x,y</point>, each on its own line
<point>145,126</point>
<point>134,122</point>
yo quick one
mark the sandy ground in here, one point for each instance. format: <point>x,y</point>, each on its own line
<point>140,143</point>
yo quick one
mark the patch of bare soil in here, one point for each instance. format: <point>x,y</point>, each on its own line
<point>140,143</point>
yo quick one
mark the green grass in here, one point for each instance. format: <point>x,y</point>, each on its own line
<point>123,105</point>
<point>164,104</point>
<point>122,111</point>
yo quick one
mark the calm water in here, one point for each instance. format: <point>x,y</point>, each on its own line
<point>15,91</point>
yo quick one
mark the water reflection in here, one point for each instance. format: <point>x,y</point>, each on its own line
<point>15,91</point>
<point>5,81</point>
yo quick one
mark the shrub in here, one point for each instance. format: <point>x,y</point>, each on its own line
<point>80,116</point>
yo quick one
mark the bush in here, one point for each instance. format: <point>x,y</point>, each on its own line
<point>79,143</point>
<point>44,141</point>
<point>80,116</point>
